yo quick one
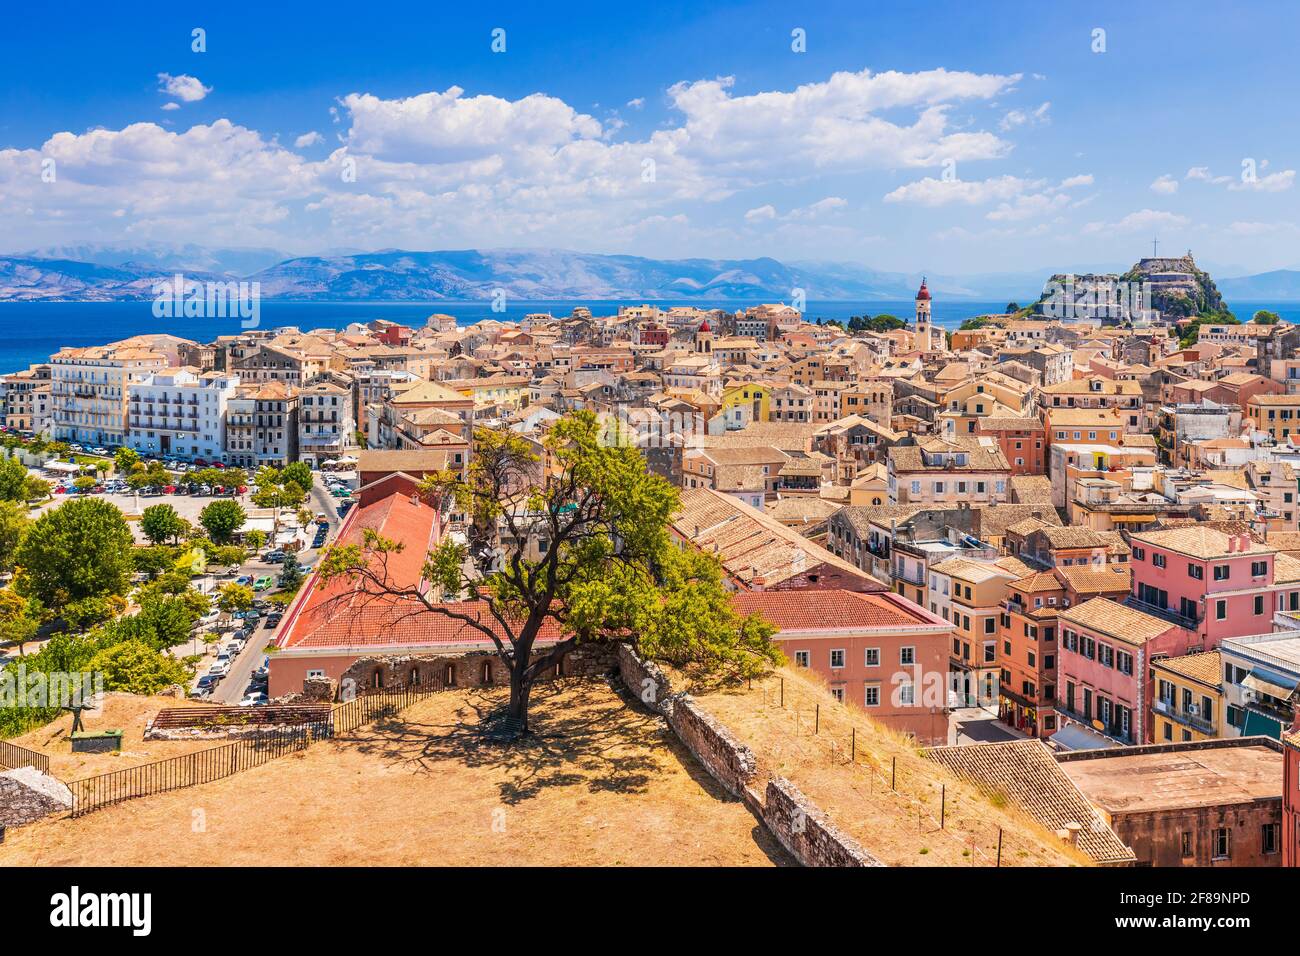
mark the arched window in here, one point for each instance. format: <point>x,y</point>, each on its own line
<point>450,676</point>
<point>377,680</point>
<point>487,672</point>
<point>415,676</point>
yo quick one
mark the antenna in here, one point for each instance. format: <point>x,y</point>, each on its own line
<point>1155,244</point>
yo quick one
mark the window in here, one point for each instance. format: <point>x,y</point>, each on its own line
<point>1259,604</point>
<point>906,694</point>
<point>1195,571</point>
<point>838,693</point>
<point>1186,843</point>
<point>1221,572</point>
<point>1270,834</point>
<point>1258,569</point>
<point>802,659</point>
<point>1158,560</point>
<point>873,657</point>
<point>871,695</point>
<point>1220,610</point>
<point>1139,554</point>
<point>315,672</point>
<point>837,658</point>
<point>1222,843</point>
<point>907,655</point>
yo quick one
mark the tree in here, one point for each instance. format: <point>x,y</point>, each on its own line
<point>78,550</point>
<point>1012,308</point>
<point>1265,317</point>
<point>137,668</point>
<point>162,523</point>
<point>154,560</point>
<point>90,612</point>
<point>233,598</point>
<point>290,572</point>
<point>13,480</point>
<point>610,571</point>
<point>254,539</point>
<point>19,618</point>
<point>299,473</point>
<point>14,523</point>
<point>221,519</point>
<point>125,459</point>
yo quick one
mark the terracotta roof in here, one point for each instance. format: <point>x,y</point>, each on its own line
<point>1199,541</point>
<point>1116,620</point>
<point>1105,580</point>
<point>834,610</point>
<point>1026,772</point>
<point>1205,668</point>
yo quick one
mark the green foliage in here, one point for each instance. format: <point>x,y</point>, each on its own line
<point>298,472</point>
<point>154,560</point>
<point>13,480</point>
<point>81,549</point>
<point>291,572</point>
<point>610,571</point>
<point>234,597</point>
<point>14,523</point>
<point>20,618</point>
<point>162,523</point>
<point>221,519</point>
<point>91,611</point>
<point>880,323</point>
<point>136,668</point>
<point>124,459</point>
<point>1265,317</point>
<point>254,539</point>
<point>1192,331</point>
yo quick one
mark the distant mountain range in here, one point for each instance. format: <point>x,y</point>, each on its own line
<point>123,271</point>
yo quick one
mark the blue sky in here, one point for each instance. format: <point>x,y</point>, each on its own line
<point>949,137</point>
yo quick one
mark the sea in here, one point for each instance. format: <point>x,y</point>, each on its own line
<point>31,332</point>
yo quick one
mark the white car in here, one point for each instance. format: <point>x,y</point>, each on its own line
<point>219,669</point>
<point>253,698</point>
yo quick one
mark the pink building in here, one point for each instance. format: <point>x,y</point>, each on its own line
<point>876,650</point>
<point>1212,583</point>
<point>1104,667</point>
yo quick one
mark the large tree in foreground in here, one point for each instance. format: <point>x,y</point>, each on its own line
<point>609,570</point>
<point>79,550</point>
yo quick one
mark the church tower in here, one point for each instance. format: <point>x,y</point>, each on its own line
<point>704,338</point>
<point>924,335</point>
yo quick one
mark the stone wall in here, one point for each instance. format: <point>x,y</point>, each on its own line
<point>469,669</point>
<point>805,831</point>
<point>796,822</point>
<point>27,795</point>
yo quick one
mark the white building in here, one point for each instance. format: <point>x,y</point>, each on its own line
<point>88,389</point>
<point>181,413</point>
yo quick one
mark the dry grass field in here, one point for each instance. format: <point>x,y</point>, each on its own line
<point>898,826</point>
<point>598,783</point>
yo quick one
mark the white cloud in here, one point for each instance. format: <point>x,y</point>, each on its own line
<point>1165,184</point>
<point>760,213</point>
<point>448,167</point>
<point>1018,117</point>
<point>1017,198</point>
<point>637,103</point>
<point>185,88</point>
<point>1251,229</point>
<point>1272,183</point>
<point>1144,220</point>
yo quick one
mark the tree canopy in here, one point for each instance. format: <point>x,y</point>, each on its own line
<point>221,519</point>
<point>609,571</point>
<point>81,549</point>
<point>162,523</point>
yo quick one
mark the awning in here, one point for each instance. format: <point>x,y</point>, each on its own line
<point>1262,686</point>
<point>1261,725</point>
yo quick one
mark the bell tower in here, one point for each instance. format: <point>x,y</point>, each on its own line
<point>924,334</point>
<point>704,338</point>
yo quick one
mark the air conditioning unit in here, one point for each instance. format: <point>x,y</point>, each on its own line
<point>1193,710</point>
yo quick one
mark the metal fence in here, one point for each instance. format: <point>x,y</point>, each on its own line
<point>205,766</point>
<point>12,756</point>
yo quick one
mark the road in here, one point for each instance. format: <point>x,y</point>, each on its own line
<point>232,688</point>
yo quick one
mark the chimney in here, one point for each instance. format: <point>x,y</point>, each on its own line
<point>1070,833</point>
<point>1232,543</point>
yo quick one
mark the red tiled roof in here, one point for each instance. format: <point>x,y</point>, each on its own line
<point>806,610</point>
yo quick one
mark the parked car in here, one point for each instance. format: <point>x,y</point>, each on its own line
<point>253,698</point>
<point>245,579</point>
<point>261,584</point>
<point>207,682</point>
<point>273,621</point>
<point>219,670</point>
<point>273,557</point>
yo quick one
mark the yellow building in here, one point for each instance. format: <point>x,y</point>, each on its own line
<point>1279,415</point>
<point>1188,703</point>
<point>752,396</point>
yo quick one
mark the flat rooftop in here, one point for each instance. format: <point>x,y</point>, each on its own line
<point>1177,778</point>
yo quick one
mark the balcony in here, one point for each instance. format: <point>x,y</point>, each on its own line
<point>1112,730</point>
<point>1164,613</point>
<point>1169,709</point>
